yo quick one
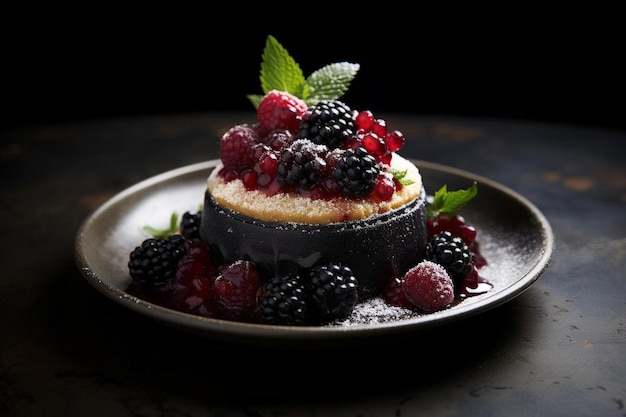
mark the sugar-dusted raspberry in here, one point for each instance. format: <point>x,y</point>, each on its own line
<point>237,150</point>
<point>428,286</point>
<point>280,110</point>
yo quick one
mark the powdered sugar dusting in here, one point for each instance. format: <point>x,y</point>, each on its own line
<point>375,311</point>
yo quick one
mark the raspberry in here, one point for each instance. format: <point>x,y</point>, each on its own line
<point>191,291</point>
<point>280,110</point>
<point>156,260</point>
<point>236,289</point>
<point>334,292</point>
<point>237,150</point>
<point>428,286</point>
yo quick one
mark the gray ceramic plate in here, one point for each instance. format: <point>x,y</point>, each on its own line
<point>514,236</point>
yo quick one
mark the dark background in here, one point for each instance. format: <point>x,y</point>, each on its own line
<point>84,68</point>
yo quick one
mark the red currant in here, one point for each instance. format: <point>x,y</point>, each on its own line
<point>365,121</point>
<point>394,140</point>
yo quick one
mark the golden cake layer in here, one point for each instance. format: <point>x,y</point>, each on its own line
<point>292,208</point>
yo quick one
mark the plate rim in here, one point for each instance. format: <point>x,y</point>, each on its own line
<point>228,329</point>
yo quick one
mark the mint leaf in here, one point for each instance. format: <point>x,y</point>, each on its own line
<point>451,202</point>
<point>255,99</point>
<point>330,82</point>
<point>400,176</point>
<point>279,71</point>
<point>173,228</point>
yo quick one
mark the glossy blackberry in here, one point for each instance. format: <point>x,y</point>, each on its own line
<point>156,260</point>
<point>190,225</point>
<point>334,292</point>
<point>284,301</point>
<point>452,253</point>
<point>330,123</point>
<point>301,164</point>
<point>356,172</point>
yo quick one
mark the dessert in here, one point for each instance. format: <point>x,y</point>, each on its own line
<point>287,232</point>
<point>310,212</point>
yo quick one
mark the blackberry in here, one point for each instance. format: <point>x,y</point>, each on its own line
<point>333,291</point>
<point>284,301</point>
<point>451,252</point>
<point>190,225</point>
<point>330,123</point>
<point>156,260</point>
<point>301,165</point>
<point>356,172</point>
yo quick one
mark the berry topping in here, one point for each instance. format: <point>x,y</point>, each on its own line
<point>394,140</point>
<point>237,148</point>
<point>280,110</point>
<point>330,123</point>
<point>278,139</point>
<point>301,164</point>
<point>356,172</point>
<point>428,286</point>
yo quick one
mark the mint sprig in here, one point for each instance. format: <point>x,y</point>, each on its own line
<point>400,176</point>
<point>330,82</point>
<point>173,228</point>
<point>451,202</point>
<point>280,71</point>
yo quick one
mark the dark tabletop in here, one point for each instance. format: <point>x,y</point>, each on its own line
<point>558,349</point>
